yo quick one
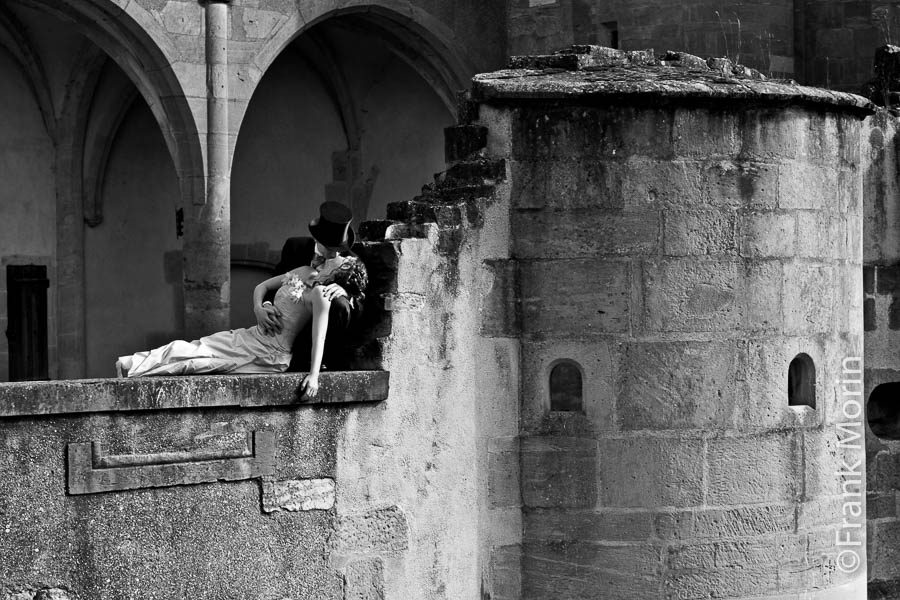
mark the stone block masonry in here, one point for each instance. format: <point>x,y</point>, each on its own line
<point>708,242</point>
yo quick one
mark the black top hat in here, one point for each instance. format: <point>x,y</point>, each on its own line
<point>332,227</point>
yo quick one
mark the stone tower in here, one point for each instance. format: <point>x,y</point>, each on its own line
<point>685,256</point>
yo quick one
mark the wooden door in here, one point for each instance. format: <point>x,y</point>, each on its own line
<point>26,332</point>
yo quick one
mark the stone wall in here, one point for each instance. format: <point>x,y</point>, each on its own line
<point>829,43</point>
<point>882,342</point>
<point>759,34</point>
<point>242,539</point>
<point>837,40</point>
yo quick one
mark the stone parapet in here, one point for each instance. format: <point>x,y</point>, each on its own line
<point>170,393</point>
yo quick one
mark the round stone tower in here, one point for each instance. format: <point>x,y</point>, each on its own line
<point>687,241</point>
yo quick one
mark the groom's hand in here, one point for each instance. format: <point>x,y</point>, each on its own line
<point>268,317</point>
<point>332,291</point>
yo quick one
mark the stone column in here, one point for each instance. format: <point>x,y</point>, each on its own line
<point>207,244</point>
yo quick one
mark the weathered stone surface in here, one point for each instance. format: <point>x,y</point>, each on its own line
<point>809,297</point>
<point>597,358</point>
<point>734,582</point>
<point>638,559</point>
<point>259,24</point>
<point>566,185</point>
<point>298,494</point>
<point>885,560</point>
<point>668,183</point>
<point>887,472</point>
<point>766,376</point>
<point>558,472</point>
<point>651,472</point>
<point>773,135</point>
<point>547,577</point>
<point>683,295</point>
<point>822,235</point>
<point>581,56</point>
<point>637,81</point>
<point>588,525</point>
<point>699,233</point>
<point>506,572</point>
<point>706,133</point>
<point>52,594</point>
<point>583,234</point>
<point>771,550</point>
<point>500,309</point>
<point>574,297</point>
<point>479,171</point>
<point>364,580</point>
<point>691,556</point>
<point>807,186</point>
<point>566,133</point>
<point>687,295</point>
<point>754,469</point>
<point>883,590</point>
<point>160,393</point>
<point>382,530</point>
<point>88,475</point>
<point>741,522</point>
<point>503,472</point>
<point>767,234</point>
<point>824,459</point>
<point>156,539</point>
<point>683,60</point>
<point>40,594</point>
<point>741,183</point>
<point>681,385</point>
<point>881,505</point>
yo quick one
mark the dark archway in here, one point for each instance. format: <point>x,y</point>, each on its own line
<point>566,386</point>
<point>801,381</point>
<point>421,38</point>
<point>883,411</point>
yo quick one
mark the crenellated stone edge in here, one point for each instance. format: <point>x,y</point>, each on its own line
<point>76,396</point>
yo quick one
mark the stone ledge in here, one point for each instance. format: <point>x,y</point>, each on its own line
<point>168,393</point>
<point>622,83</point>
<point>593,73</point>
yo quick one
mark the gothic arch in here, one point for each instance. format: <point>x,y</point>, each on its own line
<point>422,40</point>
<point>107,112</point>
<point>29,61</point>
<point>332,75</point>
<point>145,52</point>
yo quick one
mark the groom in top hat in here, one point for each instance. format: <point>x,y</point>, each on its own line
<point>331,229</point>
